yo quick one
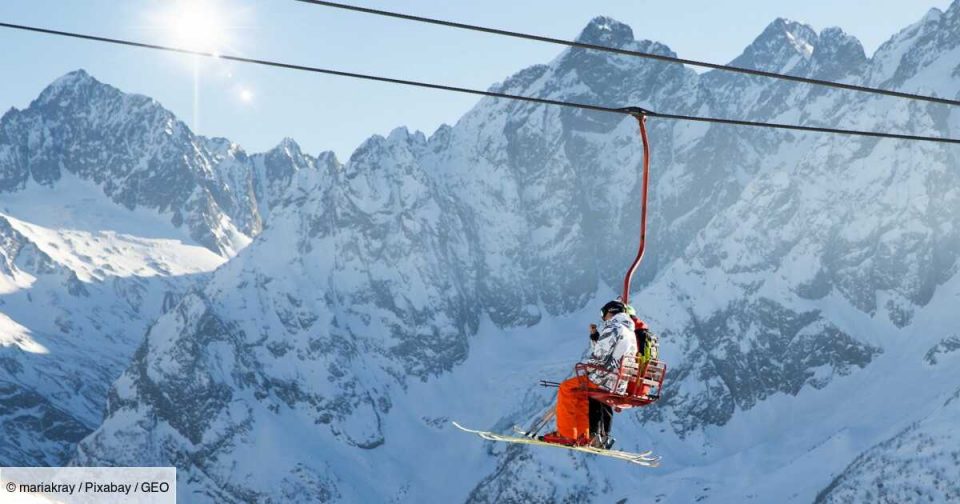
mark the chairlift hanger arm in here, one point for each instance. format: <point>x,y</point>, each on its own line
<point>641,116</point>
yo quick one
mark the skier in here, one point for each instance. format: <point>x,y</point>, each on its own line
<point>582,423</point>
<point>578,421</point>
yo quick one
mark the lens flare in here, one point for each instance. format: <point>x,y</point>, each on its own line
<point>207,26</point>
<point>199,25</point>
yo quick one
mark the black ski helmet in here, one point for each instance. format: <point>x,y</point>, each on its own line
<point>613,307</point>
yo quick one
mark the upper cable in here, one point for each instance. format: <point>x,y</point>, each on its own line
<point>638,54</point>
<point>493,94</point>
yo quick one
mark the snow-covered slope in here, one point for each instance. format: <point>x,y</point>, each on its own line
<point>919,463</point>
<point>805,287</point>
<point>80,280</point>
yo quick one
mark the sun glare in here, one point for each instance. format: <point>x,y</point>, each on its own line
<point>203,26</point>
<point>197,25</point>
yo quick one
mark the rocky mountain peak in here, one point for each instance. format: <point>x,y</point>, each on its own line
<point>399,143</point>
<point>838,54</point>
<point>290,147</point>
<point>403,135</point>
<point>934,15</point>
<point>951,19</point>
<point>910,52</point>
<point>779,47</point>
<point>606,31</point>
<point>71,82</point>
<point>80,89</point>
<point>289,155</point>
<point>138,153</point>
<point>328,160</point>
<point>834,36</point>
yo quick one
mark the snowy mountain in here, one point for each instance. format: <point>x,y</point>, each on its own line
<point>80,281</point>
<point>804,286</point>
<point>918,463</point>
<point>110,210</point>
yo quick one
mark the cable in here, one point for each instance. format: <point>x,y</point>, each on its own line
<point>634,111</point>
<point>291,66</point>
<point>627,52</point>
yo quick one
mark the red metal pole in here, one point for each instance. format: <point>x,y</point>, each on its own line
<point>642,119</point>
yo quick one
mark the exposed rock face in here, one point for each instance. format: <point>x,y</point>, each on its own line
<point>141,156</point>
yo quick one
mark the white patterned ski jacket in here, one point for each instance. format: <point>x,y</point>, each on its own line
<point>616,340</point>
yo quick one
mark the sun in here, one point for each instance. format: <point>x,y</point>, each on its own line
<point>203,27</point>
<point>197,25</point>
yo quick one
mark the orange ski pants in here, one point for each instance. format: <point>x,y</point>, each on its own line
<point>573,407</point>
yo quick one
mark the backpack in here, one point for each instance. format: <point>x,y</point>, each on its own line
<point>648,346</point>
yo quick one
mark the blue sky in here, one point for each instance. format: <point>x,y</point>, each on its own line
<point>328,113</point>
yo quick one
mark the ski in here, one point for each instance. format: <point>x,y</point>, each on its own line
<point>646,459</point>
